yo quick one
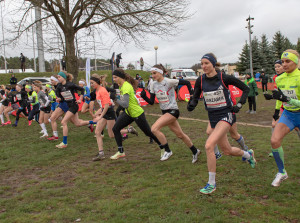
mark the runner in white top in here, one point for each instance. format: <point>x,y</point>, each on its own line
<point>164,89</point>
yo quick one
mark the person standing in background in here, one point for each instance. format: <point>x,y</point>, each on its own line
<point>13,81</point>
<point>22,59</point>
<point>250,82</point>
<point>141,63</point>
<point>264,81</point>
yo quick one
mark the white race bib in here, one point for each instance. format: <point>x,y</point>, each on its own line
<point>215,99</point>
<point>291,94</point>
<point>162,97</point>
<point>67,95</point>
<point>19,97</point>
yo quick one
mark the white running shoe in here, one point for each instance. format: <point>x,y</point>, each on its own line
<point>166,156</point>
<point>279,178</point>
<point>162,152</point>
<point>195,157</point>
<point>42,131</point>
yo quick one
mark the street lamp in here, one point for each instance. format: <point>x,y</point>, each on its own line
<point>155,47</point>
<point>5,62</point>
<point>250,44</point>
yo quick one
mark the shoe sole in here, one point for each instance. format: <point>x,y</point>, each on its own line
<point>280,181</point>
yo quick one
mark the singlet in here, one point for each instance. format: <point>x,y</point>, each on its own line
<point>31,96</point>
<point>52,96</point>
<point>289,84</point>
<point>67,92</point>
<point>217,96</point>
<point>165,93</point>
<point>42,97</point>
<point>22,98</point>
<point>102,97</point>
<point>134,109</point>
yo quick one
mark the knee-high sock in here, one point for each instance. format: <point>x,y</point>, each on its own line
<point>279,158</point>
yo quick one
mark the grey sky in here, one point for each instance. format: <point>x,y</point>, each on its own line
<point>217,26</point>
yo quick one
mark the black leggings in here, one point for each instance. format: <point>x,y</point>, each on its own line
<point>251,101</point>
<point>119,109</point>
<point>124,120</point>
<point>19,112</point>
<point>264,86</point>
<point>34,112</point>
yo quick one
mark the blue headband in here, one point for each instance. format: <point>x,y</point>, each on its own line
<point>62,74</point>
<point>278,62</point>
<point>210,58</point>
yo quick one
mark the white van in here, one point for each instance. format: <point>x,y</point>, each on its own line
<point>186,74</point>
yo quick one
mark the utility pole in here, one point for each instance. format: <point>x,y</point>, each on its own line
<point>250,42</point>
<point>33,46</point>
<point>95,52</point>
<point>39,37</point>
<point>5,63</point>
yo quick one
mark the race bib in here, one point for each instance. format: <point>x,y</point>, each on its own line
<point>291,94</point>
<point>117,91</point>
<point>67,95</point>
<point>162,97</point>
<point>19,97</point>
<point>215,99</point>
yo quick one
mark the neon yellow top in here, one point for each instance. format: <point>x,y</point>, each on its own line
<point>30,97</point>
<point>289,84</point>
<point>52,96</point>
<point>134,109</point>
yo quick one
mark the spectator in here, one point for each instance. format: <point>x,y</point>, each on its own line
<point>118,60</point>
<point>264,81</point>
<point>150,80</point>
<point>13,81</point>
<point>22,59</point>
<point>141,63</point>
<point>137,77</point>
<point>141,83</point>
<point>257,76</point>
<point>250,82</point>
<point>64,64</point>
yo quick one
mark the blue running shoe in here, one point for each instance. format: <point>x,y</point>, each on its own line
<point>208,189</point>
<point>218,155</point>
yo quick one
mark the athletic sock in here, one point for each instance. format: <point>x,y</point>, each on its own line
<point>120,149</point>
<point>55,133</point>
<point>216,149</point>
<point>279,158</point>
<point>212,178</point>
<point>43,128</point>
<point>193,149</point>
<point>241,141</point>
<point>246,155</point>
<point>166,147</point>
<point>65,140</point>
<point>161,146</point>
<point>2,118</point>
<point>92,122</point>
<point>16,122</point>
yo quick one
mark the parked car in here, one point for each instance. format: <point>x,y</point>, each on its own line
<point>44,80</point>
<point>186,74</point>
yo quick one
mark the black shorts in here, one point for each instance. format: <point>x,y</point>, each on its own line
<point>5,103</point>
<point>173,112</point>
<point>226,117</point>
<point>110,114</point>
<point>73,108</point>
<point>46,109</point>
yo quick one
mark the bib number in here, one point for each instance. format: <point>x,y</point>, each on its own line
<point>67,95</point>
<point>162,97</point>
<point>291,94</point>
<point>215,99</point>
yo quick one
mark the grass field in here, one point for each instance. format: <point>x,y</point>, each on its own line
<point>39,183</point>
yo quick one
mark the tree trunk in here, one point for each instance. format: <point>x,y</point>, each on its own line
<point>71,59</point>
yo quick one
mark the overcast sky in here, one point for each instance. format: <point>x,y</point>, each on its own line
<point>217,26</point>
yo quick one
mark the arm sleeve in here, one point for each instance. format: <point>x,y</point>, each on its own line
<point>87,92</point>
<point>112,92</point>
<point>294,102</point>
<point>124,101</point>
<point>47,101</point>
<point>151,99</point>
<point>231,80</point>
<point>173,82</point>
<point>186,83</point>
<point>194,100</point>
<point>78,88</point>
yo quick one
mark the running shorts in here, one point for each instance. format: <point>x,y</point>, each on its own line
<point>15,106</point>
<point>63,106</point>
<point>110,114</point>
<point>290,119</point>
<point>173,112</point>
<point>73,108</point>
<point>53,105</point>
<point>226,117</point>
<point>46,109</point>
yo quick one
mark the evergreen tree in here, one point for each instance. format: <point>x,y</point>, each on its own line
<point>244,61</point>
<point>256,56</point>
<point>298,45</point>
<point>288,45</point>
<point>278,45</point>
<point>266,55</point>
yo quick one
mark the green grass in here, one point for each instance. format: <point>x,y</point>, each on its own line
<point>39,183</point>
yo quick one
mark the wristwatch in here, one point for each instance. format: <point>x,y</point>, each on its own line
<point>239,105</point>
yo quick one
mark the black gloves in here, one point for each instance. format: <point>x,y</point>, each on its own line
<point>236,108</point>
<point>268,96</point>
<point>191,106</point>
<point>276,114</point>
<point>280,96</point>
<point>143,93</point>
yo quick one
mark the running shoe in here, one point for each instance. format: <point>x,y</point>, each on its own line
<point>52,138</point>
<point>117,156</point>
<point>42,131</point>
<point>246,149</point>
<point>61,145</point>
<point>252,160</point>
<point>271,154</point>
<point>195,157</point>
<point>249,111</point>
<point>252,112</point>
<point>279,178</point>
<point>100,156</point>
<point>14,125</point>
<point>166,156</point>
<point>44,136</point>
<point>124,137</point>
<point>208,189</point>
<point>7,123</point>
<point>132,130</point>
<point>29,123</point>
<point>218,155</point>
<point>91,127</point>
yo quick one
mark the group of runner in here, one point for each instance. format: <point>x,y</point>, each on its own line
<point>59,99</point>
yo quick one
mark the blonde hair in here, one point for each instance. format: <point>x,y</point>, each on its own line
<point>292,51</point>
<point>38,84</point>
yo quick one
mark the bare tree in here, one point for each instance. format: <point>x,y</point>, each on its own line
<point>129,20</point>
